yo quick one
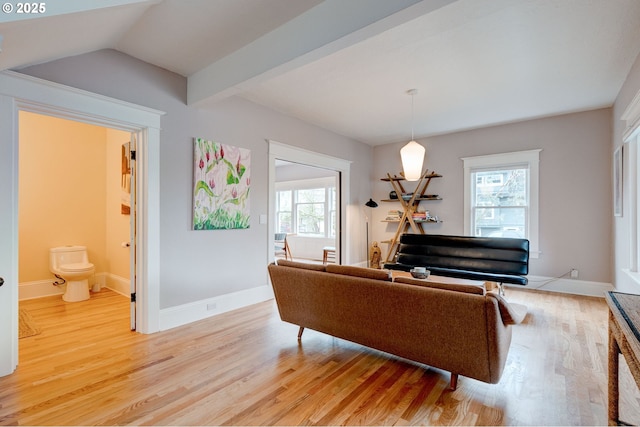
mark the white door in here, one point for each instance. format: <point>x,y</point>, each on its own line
<point>8,239</point>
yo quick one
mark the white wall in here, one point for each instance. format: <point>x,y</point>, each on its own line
<point>575,186</point>
<point>198,265</point>
<point>622,225</point>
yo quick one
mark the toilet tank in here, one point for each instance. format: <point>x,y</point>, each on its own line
<point>67,255</point>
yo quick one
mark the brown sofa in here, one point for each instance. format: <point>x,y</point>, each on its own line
<point>458,328</point>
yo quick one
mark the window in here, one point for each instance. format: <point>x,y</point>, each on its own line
<point>631,180</point>
<point>306,207</point>
<point>501,196</point>
<point>631,207</point>
<point>283,212</point>
<point>630,149</point>
<point>500,203</point>
<point>310,210</point>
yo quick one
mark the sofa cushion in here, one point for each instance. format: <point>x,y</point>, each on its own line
<point>367,273</point>
<point>303,265</point>
<point>468,289</point>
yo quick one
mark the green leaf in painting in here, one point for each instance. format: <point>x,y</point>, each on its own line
<point>232,178</point>
<point>201,185</point>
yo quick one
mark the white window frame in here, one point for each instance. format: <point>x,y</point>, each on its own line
<point>631,138</point>
<point>531,160</point>
<point>630,149</point>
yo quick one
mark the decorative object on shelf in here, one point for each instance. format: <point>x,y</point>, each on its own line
<point>393,194</point>
<point>393,215</point>
<point>412,154</point>
<point>370,204</point>
<point>221,184</point>
<point>375,256</point>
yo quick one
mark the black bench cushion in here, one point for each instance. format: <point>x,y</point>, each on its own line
<point>496,259</point>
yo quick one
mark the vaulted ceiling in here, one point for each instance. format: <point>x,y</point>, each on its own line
<point>346,65</point>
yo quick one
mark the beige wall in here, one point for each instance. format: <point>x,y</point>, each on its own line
<point>63,197</point>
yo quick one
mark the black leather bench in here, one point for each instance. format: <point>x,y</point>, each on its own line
<point>496,259</point>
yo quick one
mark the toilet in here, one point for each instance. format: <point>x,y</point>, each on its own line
<point>71,264</point>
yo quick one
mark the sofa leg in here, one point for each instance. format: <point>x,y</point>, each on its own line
<point>453,384</point>
<point>300,331</point>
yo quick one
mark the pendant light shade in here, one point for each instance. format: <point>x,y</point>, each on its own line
<point>412,154</point>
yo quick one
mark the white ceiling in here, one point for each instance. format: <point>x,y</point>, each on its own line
<point>346,65</point>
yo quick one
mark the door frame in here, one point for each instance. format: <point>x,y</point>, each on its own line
<point>278,150</point>
<point>21,92</point>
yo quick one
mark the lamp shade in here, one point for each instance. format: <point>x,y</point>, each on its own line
<point>371,204</point>
<point>412,156</point>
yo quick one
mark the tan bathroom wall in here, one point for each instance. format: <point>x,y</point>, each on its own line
<point>62,191</point>
<point>117,227</point>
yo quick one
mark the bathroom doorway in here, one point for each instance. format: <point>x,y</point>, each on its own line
<point>24,93</point>
<point>74,189</point>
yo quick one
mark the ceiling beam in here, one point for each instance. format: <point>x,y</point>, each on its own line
<point>324,29</point>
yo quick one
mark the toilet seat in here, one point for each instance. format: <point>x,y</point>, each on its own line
<point>79,267</point>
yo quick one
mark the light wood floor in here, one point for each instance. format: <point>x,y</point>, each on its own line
<point>247,368</point>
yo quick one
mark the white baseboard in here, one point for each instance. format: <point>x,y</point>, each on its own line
<point>119,284</point>
<point>38,289</point>
<point>46,288</point>
<point>567,286</point>
<point>181,315</point>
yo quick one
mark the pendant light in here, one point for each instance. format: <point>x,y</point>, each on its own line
<point>412,154</point>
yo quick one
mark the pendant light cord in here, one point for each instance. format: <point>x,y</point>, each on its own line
<point>412,119</point>
<point>412,92</point>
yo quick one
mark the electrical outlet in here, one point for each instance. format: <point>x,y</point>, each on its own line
<point>211,306</point>
<point>574,273</point>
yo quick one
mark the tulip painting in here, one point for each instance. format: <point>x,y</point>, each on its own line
<point>221,186</point>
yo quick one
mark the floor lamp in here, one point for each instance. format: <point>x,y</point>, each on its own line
<point>369,204</point>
